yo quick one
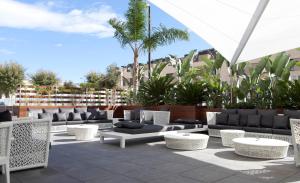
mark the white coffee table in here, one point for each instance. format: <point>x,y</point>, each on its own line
<point>83,131</point>
<point>228,135</point>
<point>261,148</point>
<point>186,141</point>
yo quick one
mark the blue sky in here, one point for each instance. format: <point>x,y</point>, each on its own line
<point>72,38</point>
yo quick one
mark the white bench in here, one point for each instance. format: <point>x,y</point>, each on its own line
<point>125,136</point>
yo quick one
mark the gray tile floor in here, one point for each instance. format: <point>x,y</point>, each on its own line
<point>149,160</point>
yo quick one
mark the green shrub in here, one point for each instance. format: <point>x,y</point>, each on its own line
<point>11,77</point>
<point>156,91</point>
<point>191,93</point>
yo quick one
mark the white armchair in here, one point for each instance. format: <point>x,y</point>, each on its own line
<point>5,140</point>
<point>30,143</point>
<point>295,128</point>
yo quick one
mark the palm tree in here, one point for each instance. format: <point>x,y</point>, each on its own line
<point>184,70</point>
<point>133,33</point>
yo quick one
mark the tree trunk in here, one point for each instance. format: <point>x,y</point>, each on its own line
<point>135,70</point>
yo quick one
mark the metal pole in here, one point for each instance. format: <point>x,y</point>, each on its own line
<point>149,35</point>
<point>250,28</point>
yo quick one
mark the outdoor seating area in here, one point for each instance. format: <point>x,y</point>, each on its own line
<point>148,160</point>
<point>184,154</point>
<point>149,91</point>
<point>255,123</point>
<point>61,118</point>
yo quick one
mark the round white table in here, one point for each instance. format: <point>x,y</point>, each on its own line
<point>261,148</point>
<point>186,141</point>
<point>228,135</point>
<point>83,131</point>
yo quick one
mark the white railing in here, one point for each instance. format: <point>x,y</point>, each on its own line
<point>25,97</point>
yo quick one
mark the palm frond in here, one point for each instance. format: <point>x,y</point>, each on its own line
<point>136,20</point>
<point>120,32</point>
<point>162,36</point>
<point>158,69</point>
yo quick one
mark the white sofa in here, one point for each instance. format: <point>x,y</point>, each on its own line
<point>211,120</point>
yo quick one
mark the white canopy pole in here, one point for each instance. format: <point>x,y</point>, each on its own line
<point>250,28</point>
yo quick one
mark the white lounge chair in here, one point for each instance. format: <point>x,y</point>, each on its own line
<point>295,127</point>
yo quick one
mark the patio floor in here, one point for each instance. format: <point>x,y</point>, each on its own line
<point>149,160</point>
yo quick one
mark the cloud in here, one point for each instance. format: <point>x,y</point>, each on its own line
<point>15,14</point>
<point>58,45</point>
<point>6,52</point>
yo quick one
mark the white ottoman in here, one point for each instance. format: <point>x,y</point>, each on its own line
<point>186,141</point>
<point>261,148</point>
<point>84,131</point>
<point>228,135</point>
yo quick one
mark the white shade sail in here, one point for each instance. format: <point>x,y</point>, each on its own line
<point>240,30</point>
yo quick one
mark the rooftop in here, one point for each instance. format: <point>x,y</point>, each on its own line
<point>149,160</point>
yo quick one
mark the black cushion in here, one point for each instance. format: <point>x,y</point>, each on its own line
<point>222,119</point>
<point>267,118</point>
<point>80,110</point>
<point>51,110</point>
<point>74,122</point>
<point>61,116</point>
<point>75,117</point>
<point>101,115</point>
<point>119,124</point>
<point>230,111</point>
<point>244,115</point>
<point>88,116</point>
<point>57,123</point>
<point>94,111</point>
<point>281,122</point>
<point>127,124</point>
<point>135,114</point>
<point>144,129</point>
<point>282,131</point>
<point>45,116</point>
<point>93,114</point>
<point>183,126</point>
<point>233,119</point>
<point>188,121</point>
<point>99,121</point>
<point>5,116</point>
<point>292,113</point>
<point>221,127</point>
<point>148,122</point>
<point>258,129</point>
<point>253,120</point>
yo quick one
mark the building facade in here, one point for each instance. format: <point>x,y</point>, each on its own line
<point>170,69</point>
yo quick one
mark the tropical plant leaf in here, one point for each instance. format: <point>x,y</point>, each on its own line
<point>282,62</point>
<point>275,63</point>
<point>287,70</point>
<point>156,71</point>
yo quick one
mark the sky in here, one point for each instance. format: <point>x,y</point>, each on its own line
<point>73,38</point>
